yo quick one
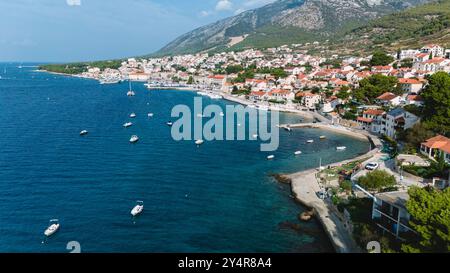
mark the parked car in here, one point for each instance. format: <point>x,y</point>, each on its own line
<point>372,166</point>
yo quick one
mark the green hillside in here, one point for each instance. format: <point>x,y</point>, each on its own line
<point>414,27</point>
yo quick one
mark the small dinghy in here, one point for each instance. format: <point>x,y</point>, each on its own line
<point>134,139</point>
<point>310,141</point>
<point>298,153</point>
<point>255,136</point>
<point>323,137</point>
<point>222,114</point>
<point>199,142</point>
<point>132,115</point>
<point>131,93</point>
<point>83,133</point>
<point>128,124</point>
<point>138,208</point>
<point>270,157</point>
<point>150,115</point>
<point>169,123</point>
<point>52,228</point>
<point>341,148</point>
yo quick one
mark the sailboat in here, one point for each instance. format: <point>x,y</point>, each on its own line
<point>130,92</point>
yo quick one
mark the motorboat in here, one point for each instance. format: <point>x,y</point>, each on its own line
<point>222,114</point>
<point>134,139</point>
<point>150,115</point>
<point>341,148</point>
<point>138,208</point>
<point>270,157</point>
<point>132,115</point>
<point>310,141</point>
<point>288,128</point>
<point>199,142</point>
<point>323,137</point>
<point>298,153</point>
<point>83,133</point>
<point>255,136</point>
<point>52,228</point>
<point>169,123</point>
<point>128,124</point>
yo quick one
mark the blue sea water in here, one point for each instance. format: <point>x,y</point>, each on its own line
<point>215,198</point>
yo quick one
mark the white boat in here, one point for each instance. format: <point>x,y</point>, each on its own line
<point>138,208</point>
<point>270,157</point>
<point>169,123</point>
<point>134,139</point>
<point>128,124</point>
<point>200,116</point>
<point>310,141</point>
<point>251,106</point>
<point>130,92</point>
<point>263,108</point>
<point>132,115</point>
<point>150,115</point>
<point>255,136</point>
<point>52,228</point>
<point>341,148</point>
<point>298,153</point>
<point>84,132</point>
<point>287,128</point>
<point>323,137</point>
<point>199,142</point>
<point>222,114</point>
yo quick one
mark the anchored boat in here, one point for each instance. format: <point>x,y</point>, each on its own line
<point>52,228</point>
<point>138,208</point>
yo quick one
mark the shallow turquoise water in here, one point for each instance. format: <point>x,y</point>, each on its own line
<point>216,198</point>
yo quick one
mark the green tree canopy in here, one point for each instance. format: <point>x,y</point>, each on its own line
<point>381,58</point>
<point>430,218</point>
<point>377,180</point>
<point>437,103</point>
<point>374,86</point>
<point>417,134</point>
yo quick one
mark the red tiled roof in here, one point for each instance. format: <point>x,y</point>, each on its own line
<point>367,120</point>
<point>409,81</point>
<point>374,112</point>
<point>438,142</point>
<point>387,96</point>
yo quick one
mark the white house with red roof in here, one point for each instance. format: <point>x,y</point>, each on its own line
<point>258,96</point>
<point>414,100</point>
<point>410,85</point>
<point>371,120</point>
<point>433,65</point>
<point>389,98</point>
<point>434,146</point>
<point>435,50</point>
<point>382,69</point>
<point>281,95</point>
<point>309,99</point>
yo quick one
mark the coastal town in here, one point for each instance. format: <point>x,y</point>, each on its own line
<point>384,97</point>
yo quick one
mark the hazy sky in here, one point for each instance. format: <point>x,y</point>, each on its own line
<point>73,30</point>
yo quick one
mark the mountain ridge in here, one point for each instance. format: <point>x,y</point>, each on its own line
<point>285,21</point>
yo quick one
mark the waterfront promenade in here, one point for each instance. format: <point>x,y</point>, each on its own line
<point>305,187</point>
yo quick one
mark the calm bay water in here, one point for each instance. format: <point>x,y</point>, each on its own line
<point>216,198</point>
